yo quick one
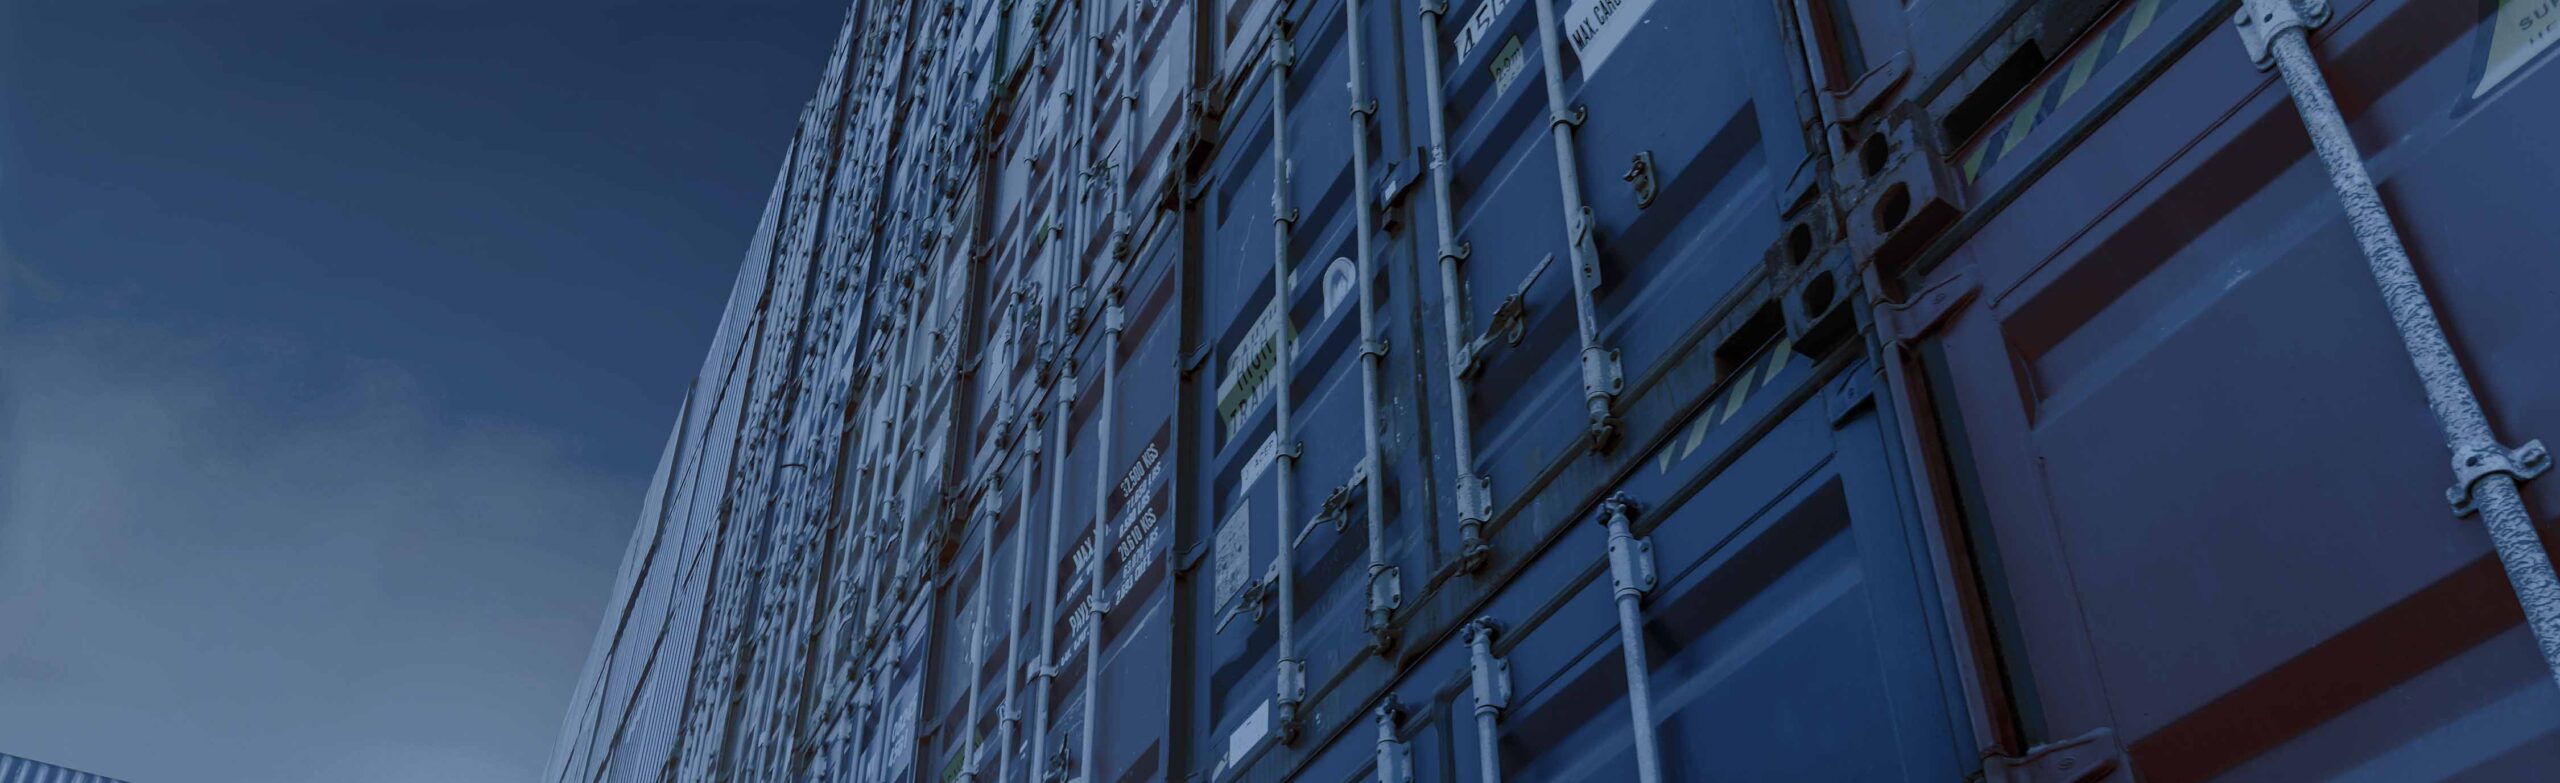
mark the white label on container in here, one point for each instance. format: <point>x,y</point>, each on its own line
<point>1478,24</point>
<point>2523,30</point>
<point>1339,278</point>
<point>1507,65</point>
<point>1596,27</point>
<point>902,753</point>
<point>1261,461</point>
<point>1249,733</point>
<point>1248,377</point>
<point>1232,563</point>
<point>1159,86</point>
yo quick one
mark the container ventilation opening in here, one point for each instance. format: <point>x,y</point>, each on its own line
<point>1996,91</point>
<point>1894,208</point>
<point>1744,342</point>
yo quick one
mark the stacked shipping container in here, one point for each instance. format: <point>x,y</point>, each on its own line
<point>1257,390</point>
<point>20,770</point>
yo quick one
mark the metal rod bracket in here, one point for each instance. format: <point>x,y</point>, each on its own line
<point>2260,21</point>
<point>1395,755</point>
<point>1292,679</point>
<point>1631,568</point>
<point>2475,464</point>
<point>1489,677</point>
<point>1386,595</point>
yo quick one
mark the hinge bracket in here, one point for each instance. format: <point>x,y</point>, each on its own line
<point>2088,758</point>
<point>1917,316</point>
<point>2261,21</point>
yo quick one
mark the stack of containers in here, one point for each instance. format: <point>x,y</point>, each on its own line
<point>1433,390</point>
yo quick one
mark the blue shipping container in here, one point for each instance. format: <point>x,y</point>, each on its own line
<point>1344,390</point>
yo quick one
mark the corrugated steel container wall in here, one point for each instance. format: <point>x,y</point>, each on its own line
<point>19,770</point>
<point>2204,492</point>
<point>1858,390</point>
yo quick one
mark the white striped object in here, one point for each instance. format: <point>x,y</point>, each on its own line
<point>17,770</point>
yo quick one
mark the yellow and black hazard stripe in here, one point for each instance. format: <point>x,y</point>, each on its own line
<point>1738,390</point>
<point>2060,84</point>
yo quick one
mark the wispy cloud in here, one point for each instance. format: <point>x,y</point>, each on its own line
<point>282,568</point>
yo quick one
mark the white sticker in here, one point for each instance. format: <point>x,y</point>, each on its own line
<point>2523,30</point>
<point>1261,460</point>
<point>1248,377</point>
<point>903,728</point>
<point>1478,24</point>
<point>1507,65</point>
<point>1596,27</point>
<point>1249,733</point>
<point>1159,86</point>
<point>1339,278</point>
<point>1232,564</point>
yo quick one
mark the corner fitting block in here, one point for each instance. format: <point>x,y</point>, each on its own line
<point>1900,192</point>
<point>2474,465</point>
<point>1812,277</point>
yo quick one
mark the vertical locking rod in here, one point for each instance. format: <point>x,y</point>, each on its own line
<point>978,646</point>
<point>1631,576</point>
<point>1063,392</point>
<point>1063,270</point>
<point>1009,719</point>
<point>1475,494</point>
<point>1601,375</point>
<point>1395,753</point>
<point>2486,471</point>
<point>1490,678</point>
<point>1096,574</point>
<point>1124,232</point>
<point>1097,600</point>
<point>1385,592</point>
<point>1289,671</point>
<point>1010,728</point>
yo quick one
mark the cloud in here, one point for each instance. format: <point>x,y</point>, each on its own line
<point>226,559</point>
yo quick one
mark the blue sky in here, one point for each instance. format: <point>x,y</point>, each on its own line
<point>340,338</point>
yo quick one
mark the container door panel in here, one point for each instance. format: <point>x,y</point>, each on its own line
<point>2214,488</point>
<point>1681,149</point>
<point>1135,636</point>
<point>1790,636</point>
<point>1241,336</point>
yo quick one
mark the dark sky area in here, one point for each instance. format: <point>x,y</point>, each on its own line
<point>341,336</point>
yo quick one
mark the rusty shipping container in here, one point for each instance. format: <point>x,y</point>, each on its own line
<point>1440,390</point>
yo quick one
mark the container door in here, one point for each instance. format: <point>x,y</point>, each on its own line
<point>2204,495</point>
<point>1790,634</point>
<point>1685,132</point>
<point>1306,327</point>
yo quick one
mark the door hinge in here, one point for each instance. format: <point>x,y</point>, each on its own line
<point>2089,758</point>
<point>1921,313</point>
